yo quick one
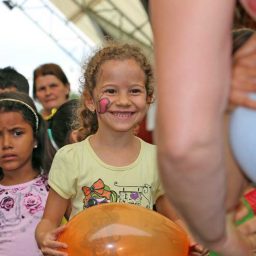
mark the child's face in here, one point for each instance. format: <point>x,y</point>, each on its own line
<point>120,95</point>
<point>16,142</point>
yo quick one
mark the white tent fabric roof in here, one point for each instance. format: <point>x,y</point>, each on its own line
<point>121,19</point>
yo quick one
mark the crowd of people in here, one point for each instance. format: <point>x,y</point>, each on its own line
<point>54,157</point>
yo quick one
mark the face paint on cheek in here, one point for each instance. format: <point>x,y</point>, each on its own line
<point>103,105</point>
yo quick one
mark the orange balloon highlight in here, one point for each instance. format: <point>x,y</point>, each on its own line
<point>118,229</point>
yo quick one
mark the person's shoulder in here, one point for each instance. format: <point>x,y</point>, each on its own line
<point>73,148</point>
<point>149,157</point>
<point>145,146</point>
<point>41,181</point>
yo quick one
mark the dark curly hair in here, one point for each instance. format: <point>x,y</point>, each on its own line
<point>88,123</point>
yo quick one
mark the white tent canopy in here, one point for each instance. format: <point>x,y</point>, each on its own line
<point>77,25</point>
<point>121,19</point>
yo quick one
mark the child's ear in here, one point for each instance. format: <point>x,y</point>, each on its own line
<point>88,101</point>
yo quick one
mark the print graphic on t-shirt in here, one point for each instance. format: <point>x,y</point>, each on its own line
<point>139,195</point>
<point>100,193</point>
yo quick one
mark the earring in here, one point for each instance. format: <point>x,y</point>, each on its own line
<point>35,146</point>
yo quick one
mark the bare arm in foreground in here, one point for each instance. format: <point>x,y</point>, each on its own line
<point>193,61</point>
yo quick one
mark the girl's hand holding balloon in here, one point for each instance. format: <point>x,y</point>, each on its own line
<point>195,249</point>
<point>198,250</point>
<point>49,244</point>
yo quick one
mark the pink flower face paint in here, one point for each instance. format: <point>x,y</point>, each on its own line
<point>103,105</point>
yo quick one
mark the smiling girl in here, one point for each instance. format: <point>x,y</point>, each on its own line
<point>111,164</point>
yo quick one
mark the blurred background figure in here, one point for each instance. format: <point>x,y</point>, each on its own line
<point>51,88</point>
<point>61,131</point>
<point>12,80</point>
<point>61,128</point>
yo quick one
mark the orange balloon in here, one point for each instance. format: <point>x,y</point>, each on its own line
<point>118,229</point>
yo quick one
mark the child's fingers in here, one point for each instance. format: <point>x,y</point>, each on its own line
<point>56,245</point>
<point>197,249</point>
<point>55,233</point>
<point>194,254</point>
<point>52,252</point>
<point>60,229</point>
<point>51,248</point>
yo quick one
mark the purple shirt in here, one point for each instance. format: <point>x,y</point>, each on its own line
<point>21,208</point>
